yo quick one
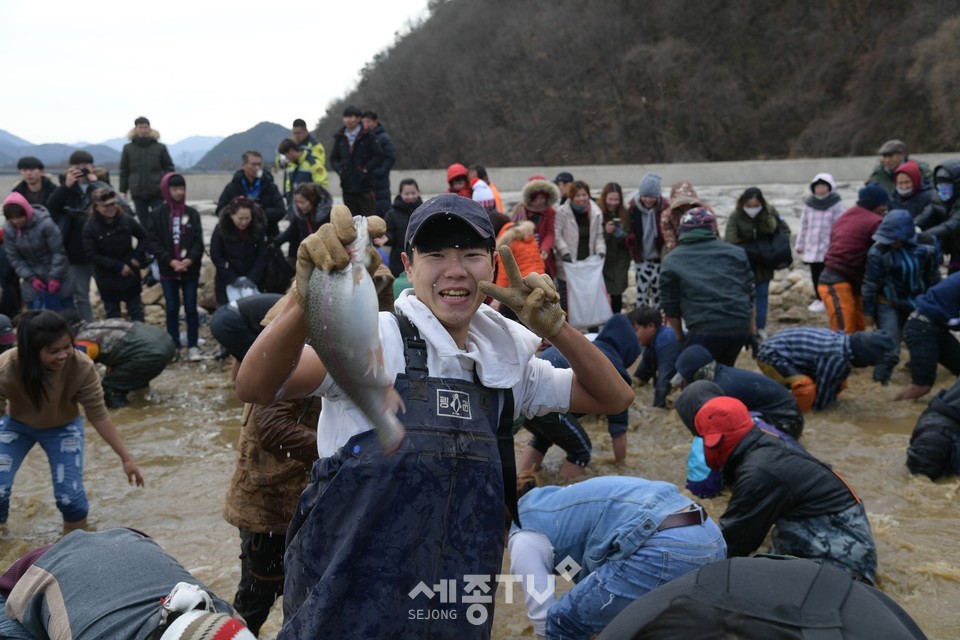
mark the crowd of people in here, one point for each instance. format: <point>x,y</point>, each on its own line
<point>485,336</point>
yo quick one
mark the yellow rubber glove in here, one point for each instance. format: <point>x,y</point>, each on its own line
<point>534,299</point>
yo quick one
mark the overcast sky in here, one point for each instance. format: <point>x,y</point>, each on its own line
<point>82,71</point>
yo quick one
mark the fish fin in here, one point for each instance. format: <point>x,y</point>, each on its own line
<point>393,402</point>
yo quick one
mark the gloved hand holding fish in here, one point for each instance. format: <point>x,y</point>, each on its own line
<point>340,300</point>
<point>534,299</point>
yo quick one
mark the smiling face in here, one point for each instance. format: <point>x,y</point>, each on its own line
<point>303,205</point>
<point>612,201</point>
<point>581,198</point>
<point>446,281</point>
<point>648,201</point>
<point>54,356</point>
<point>108,209</point>
<point>409,193</point>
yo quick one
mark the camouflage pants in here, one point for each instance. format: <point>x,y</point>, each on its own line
<point>842,540</point>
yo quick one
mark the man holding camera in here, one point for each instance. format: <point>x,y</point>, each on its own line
<point>68,206</point>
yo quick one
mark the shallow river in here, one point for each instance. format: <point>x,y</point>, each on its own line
<point>184,430</point>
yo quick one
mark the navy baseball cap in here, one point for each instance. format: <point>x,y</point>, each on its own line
<point>452,205</point>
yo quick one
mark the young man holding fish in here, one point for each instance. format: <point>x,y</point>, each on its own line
<point>375,533</point>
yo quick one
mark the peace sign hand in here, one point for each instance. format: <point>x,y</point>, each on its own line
<point>534,299</point>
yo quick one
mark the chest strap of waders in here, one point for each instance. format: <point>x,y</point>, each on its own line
<point>415,357</point>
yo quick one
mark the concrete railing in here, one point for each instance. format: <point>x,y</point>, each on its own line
<point>207,186</point>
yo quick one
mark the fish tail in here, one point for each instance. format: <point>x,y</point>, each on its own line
<point>390,431</point>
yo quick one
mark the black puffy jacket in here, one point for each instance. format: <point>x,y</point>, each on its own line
<point>934,447</point>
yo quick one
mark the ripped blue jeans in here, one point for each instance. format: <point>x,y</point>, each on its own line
<point>64,449</point>
<point>596,600</point>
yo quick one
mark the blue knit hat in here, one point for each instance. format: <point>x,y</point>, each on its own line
<point>698,218</point>
<point>873,196</point>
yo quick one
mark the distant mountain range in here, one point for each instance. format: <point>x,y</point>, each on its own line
<point>204,153</point>
<point>225,156</point>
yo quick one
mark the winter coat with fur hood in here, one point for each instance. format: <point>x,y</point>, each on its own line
<point>544,222</point>
<point>143,162</point>
<point>519,236</point>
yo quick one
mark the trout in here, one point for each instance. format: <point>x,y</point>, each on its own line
<point>343,325</point>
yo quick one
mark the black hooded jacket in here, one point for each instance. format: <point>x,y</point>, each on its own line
<point>944,222</point>
<point>770,481</point>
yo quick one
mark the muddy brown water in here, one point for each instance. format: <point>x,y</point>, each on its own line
<point>184,430</point>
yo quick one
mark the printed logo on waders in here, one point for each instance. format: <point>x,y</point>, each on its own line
<point>453,404</point>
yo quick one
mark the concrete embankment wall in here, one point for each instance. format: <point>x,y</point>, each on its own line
<point>207,186</point>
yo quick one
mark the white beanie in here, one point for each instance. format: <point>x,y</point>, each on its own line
<point>205,625</point>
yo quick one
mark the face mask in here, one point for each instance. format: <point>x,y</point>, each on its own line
<point>259,173</point>
<point>821,196</point>
<point>945,191</point>
<point>753,212</point>
<point>905,192</point>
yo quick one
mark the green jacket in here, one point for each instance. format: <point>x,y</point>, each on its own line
<point>881,177</point>
<point>709,285</point>
<point>143,163</point>
<point>742,230</point>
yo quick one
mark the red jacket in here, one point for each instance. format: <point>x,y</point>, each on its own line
<point>850,239</point>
